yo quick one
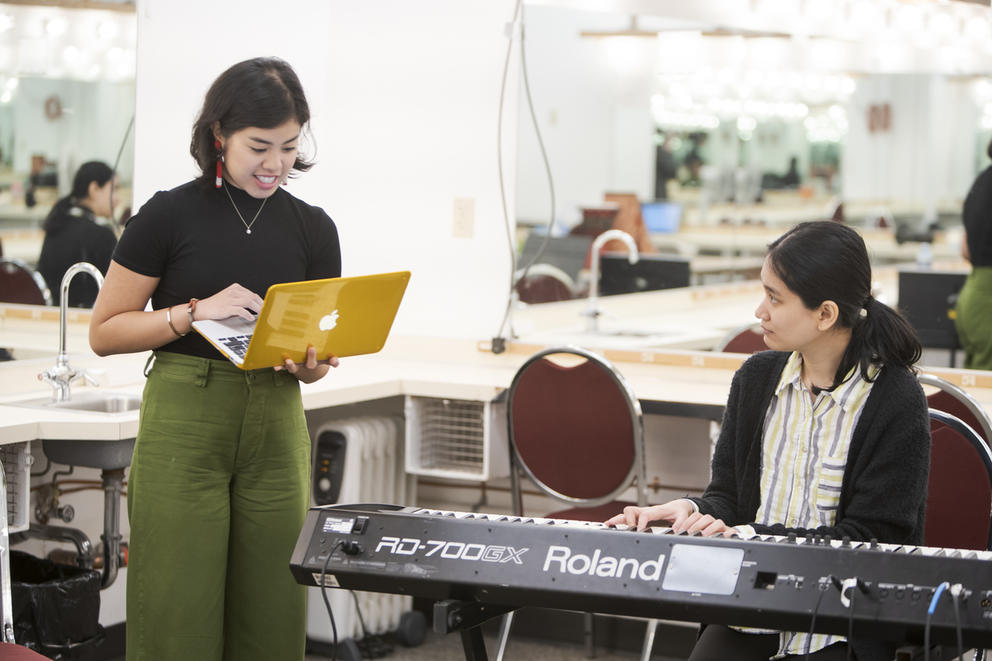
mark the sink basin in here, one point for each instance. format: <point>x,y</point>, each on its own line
<point>87,452</point>
<point>93,402</point>
<point>113,403</point>
<point>92,454</point>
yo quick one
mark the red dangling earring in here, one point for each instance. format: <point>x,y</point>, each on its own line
<point>220,159</point>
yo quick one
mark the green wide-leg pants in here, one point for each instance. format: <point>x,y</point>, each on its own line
<point>217,494</point>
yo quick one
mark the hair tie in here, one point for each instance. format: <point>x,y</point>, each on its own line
<point>863,312</point>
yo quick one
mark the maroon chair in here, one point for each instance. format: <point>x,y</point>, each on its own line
<point>949,398</point>
<point>575,431</point>
<point>19,283</point>
<point>12,652</point>
<point>743,340</point>
<point>959,492</point>
<point>543,283</point>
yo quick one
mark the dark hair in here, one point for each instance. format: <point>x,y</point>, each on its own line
<point>89,172</point>
<point>826,261</point>
<point>263,92</point>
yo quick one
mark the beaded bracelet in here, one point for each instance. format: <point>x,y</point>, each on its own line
<point>190,310</point>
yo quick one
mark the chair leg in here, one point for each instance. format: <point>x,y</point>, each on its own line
<point>504,635</point>
<point>589,635</point>
<point>652,628</point>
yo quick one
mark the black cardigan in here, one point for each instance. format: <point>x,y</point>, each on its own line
<point>884,488</point>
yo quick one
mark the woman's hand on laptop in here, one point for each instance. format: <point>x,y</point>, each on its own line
<point>310,369</point>
<point>232,301</point>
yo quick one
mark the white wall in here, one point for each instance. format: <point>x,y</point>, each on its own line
<point>404,103</point>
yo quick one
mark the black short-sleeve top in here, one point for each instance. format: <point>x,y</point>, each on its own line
<point>192,239</point>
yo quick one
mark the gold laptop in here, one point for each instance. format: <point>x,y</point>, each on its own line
<point>338,316</point>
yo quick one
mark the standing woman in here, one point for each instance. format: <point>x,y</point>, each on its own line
<point>827,434</point>
<point>78,229</point>
<point>217,491</point>
<point>973,318</point>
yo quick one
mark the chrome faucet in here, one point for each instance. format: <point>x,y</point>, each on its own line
<point>592,310</point>
<point>62,375</point>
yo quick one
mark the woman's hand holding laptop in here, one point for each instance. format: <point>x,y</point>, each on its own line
<point>312,369</point>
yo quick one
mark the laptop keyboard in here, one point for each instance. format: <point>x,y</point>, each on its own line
<point>238,344</point>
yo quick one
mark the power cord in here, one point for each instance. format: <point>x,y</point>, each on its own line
<point>327,602</point>
<point>371,646</point>
<point>499,342</point>
<point>822,587</point>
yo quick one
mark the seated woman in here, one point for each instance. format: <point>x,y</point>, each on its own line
<point>827,434</point>
<point>77,229</point>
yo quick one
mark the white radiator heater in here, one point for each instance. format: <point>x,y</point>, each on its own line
<point>358,460</point>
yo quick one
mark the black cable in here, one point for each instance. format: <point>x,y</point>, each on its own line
<point>372,646</point>
<point>499,151</point>
<point>499,168</point>
<point>850,627</point>
<point>544,153</point>
<point>327,602</point>
<point>812,624</point>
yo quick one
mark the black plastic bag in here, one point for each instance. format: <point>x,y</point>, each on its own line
<point>56,608</point>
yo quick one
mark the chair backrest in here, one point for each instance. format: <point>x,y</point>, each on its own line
<point>19,283</point>
<point>568,253</point>
<point>959,492</point>
<point>575,428</point>
<point>543,283</point>
<point>742,340</point>
<point>949,398</point>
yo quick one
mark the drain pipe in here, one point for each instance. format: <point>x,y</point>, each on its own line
<point>113,485</point>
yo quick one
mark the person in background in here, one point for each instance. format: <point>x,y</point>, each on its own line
<point>973,311</point>
<point>665,167</point>
<point>791,178</point>
<point>218,488</point>
<point>827,434</point>
<point>79,229</point>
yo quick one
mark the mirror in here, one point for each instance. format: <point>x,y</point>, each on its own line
<point>610,91</point>
<point>66,97</point>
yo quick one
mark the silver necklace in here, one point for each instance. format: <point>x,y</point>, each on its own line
<point>246,224</point>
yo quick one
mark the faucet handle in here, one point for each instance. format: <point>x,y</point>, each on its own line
<point>88,377</point>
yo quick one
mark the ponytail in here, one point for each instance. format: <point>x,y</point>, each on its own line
<point>881,335</point>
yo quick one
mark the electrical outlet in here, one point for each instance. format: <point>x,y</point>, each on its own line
<point>463,220</point>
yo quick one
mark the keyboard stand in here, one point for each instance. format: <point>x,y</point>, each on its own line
<point>467,617</point>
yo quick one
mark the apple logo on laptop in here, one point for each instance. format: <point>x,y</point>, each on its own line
<point>328,321</point>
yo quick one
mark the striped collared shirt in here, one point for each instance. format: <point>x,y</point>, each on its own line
<point>805,443</point>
